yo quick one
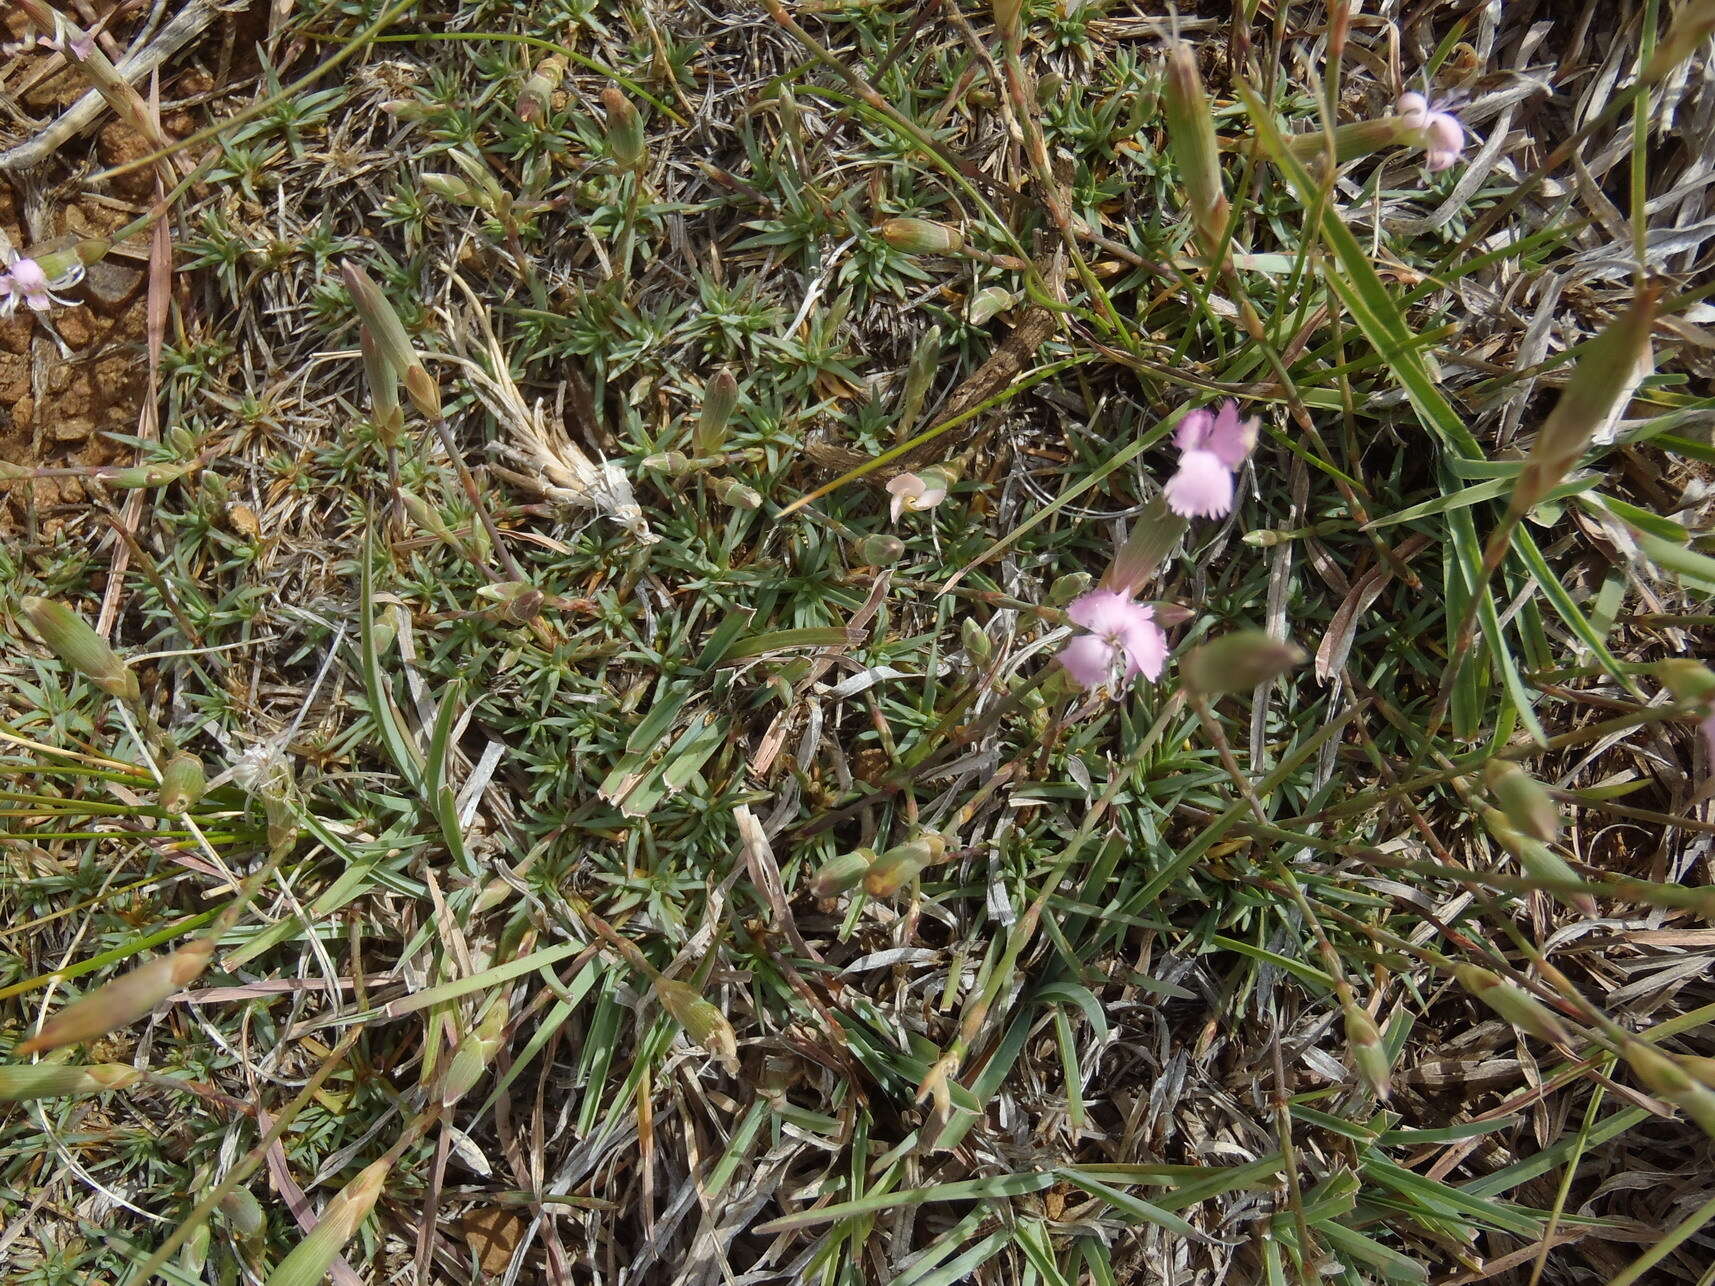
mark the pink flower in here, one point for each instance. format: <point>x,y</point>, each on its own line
<point>912,493</point>
<point>1212,448</point>
<point>1118,628</point>
<point>25,280</point>
<point>1440,132</point>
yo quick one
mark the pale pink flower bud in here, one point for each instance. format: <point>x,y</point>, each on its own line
<point>913,494</point>
<point>1413,108</point>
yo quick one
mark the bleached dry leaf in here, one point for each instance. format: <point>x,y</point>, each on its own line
<point>560,469</point>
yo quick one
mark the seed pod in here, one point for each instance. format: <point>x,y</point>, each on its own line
<point>474,1053</point>
<point>892,870</point>
<point>731,492</point>
<point>537,93</point>
<point>703,1023</point>
<point>1538,860</point>
<point>1590,398</point>
<point>182,782</point>
<point>311,1258</point>
<point>124,1000</point>
<point>879,550</point>
<point>1687,682</point>
<point>922,237</point>
<point>1048,88</point>
<point>840,873</point>
<point>1191,138</point>
<point>1666,1079</point>
<point>720,396</point>
<point>21,1082</point>
<point>74,641</point>
<point>1238,662</point>
<point>1514,1004</point>
<point>1364,1039</point>
<point>1523,799</point>
<point>624,131</point>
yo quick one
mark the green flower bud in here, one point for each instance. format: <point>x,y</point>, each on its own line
<point>921,237</point>
<point>383,381</point>
<point>840,873</point>
<point>1191,138</point>
<point>124,1000</point>
<point>72,639</point>
<point>879,550</point>
<point>1605,373</point>
<point>537,94</point>
<point>1068,587</point>
<point>988,303</point>
<point>22,1082</point>
<point>1006,18</point>
<point>731,492</point>
<point>1538,860</point>
<point>720,397</point>
<point>624,131</point>
<point>1523,799</point>
<point>672,464</point>
<point>310,1259</point>
<point>474,1053</point>
<point>976,640</point>
<point>451,187</point>
<point>243,1212</point>
<point>1688,682</point>
<point>143,476</point>
<point>1514,1004</point>
<point>702,1021</point>
<point>1238,662</point>
<point>182,782</point>
<point>1667,1079</point>
<point>391,341</point>
<point>516,600</point>
<point>424,393</point>
<point>1364,1040</point>
<point>892,870</point>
